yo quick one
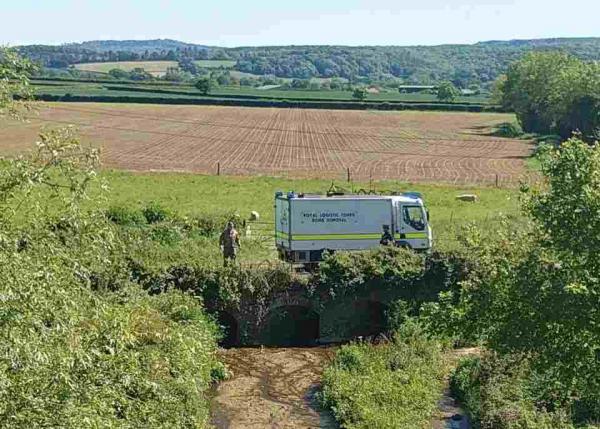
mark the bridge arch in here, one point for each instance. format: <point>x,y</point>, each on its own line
<point>371,317</point>
<point>291,325</point>
<point>229,327</point>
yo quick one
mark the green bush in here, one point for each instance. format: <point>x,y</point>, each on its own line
<point>154,213</point>
<point>498,393</point>
<point>509,130</point>
<point>166,234</point>
<point>395,385</point>
<point>125,216</point>
<point>80,345</point>
<point>210,224</point>
<point>386,267</point>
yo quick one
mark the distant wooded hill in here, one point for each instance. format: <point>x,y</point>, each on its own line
<point>463,64</point>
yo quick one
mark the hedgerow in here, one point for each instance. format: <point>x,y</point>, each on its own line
<point>220,101</point>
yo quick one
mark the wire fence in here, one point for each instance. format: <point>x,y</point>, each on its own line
<point>327,153</point>
<point>359,179</point>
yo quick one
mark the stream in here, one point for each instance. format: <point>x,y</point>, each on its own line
<point>275,387</point>
<point>271,388</point>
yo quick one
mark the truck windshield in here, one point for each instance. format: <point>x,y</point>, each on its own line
<point>414,217</point>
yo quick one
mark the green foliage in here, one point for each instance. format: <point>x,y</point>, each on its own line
<point>568,209</point>
<point>80,345</point>
<point>14,83</point>
<point>222,288</point>
<point>167,234</point>
<point>125,216</point>
<point>154,213</point>
<point>509,129</point>
<point>535,293</point>
<point>554,93</point>
<point>497,393</point>
<point>359,94</point>
<point>204,85</point>
<point>447,92</point>
<point>387,267</point>
<point>388,386</point>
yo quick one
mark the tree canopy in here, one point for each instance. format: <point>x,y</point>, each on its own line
<point>447,91</point>
<point>14,82</point>
<point>463,65</point>
<point>204,85</point>
<point>553,93</point>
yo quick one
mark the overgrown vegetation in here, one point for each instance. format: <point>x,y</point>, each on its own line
<point>554,93</point>
<point>533,297</point>
<point>499,392</point>
<point>393,385</point>
<point>80,344</point>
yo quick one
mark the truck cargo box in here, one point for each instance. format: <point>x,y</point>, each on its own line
<point>308,225</point>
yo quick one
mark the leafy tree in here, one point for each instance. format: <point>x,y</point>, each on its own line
<point>204,85</point>
<point>119,74</point>
<point>359,94</point>
<point>188,65</point>
<point>14,83</point>
<point>300,83</point>
<point>139,73</point>
<point>224,79</point>
<point>536,293</point>
<point>554,93</point>
<point>447,92</point>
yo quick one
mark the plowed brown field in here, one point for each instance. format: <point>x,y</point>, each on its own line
<point>410,146</point>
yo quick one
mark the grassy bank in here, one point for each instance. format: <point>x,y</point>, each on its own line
<point>395,385</point>
<point>504,392</point>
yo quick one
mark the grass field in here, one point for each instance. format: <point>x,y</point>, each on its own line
<point>156,68</point>
<point>197,195</point>
<point>188,91</point>
<point>409,145</point>
<point>211,64</point>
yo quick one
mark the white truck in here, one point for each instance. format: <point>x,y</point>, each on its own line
<point>306,226</point>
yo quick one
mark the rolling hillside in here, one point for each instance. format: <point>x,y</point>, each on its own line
<point>463,64</point>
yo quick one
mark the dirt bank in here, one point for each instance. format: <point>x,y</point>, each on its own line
<point>272,388</point>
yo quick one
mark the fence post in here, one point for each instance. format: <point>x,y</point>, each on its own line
<point>218,168</point>
<point>348,174</point>
<point>496,180</point>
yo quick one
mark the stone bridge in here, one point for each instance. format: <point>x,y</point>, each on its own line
<point>294,317</point>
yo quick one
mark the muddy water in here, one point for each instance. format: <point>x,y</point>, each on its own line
<point>272,388</point>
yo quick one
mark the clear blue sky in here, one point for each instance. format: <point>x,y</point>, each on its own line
<point>282,22</point>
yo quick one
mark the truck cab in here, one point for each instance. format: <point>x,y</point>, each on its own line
<point>412,227</point>
<point>307,226</point>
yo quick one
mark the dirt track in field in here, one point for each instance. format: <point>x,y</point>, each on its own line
<point>409,146</point>
<point>272,388</point>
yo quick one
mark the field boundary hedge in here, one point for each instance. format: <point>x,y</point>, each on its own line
<point>245,102</point>
<point>267,97</point>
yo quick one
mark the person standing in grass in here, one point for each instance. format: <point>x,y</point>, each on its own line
<point>230,243</point>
